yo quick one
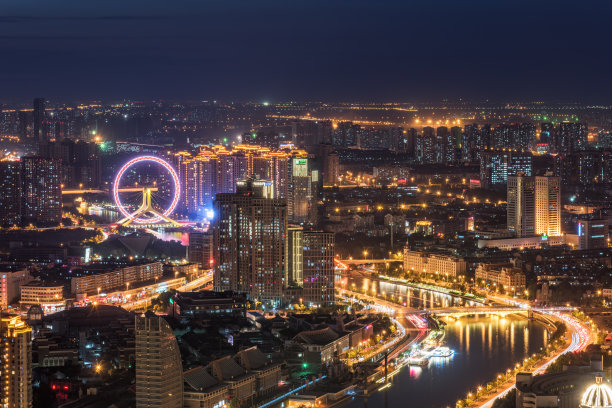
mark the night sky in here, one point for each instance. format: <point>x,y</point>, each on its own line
<point>330,50</point>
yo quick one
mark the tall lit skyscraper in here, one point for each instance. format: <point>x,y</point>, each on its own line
<point>159,370</point>
<point>16,365</point>
<point>39,119</point>
<point>299,192</point>
<point>42,190</point>
<point>10,186</point>
<point>534,205</point>
<point>249,241</point>
<point>295,257</point>
<point>548,205</point>
<point>318,267</point>
<point>521,205</point>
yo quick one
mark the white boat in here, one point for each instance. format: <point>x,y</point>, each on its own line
<point>441,352</point>
<point>418,361</point>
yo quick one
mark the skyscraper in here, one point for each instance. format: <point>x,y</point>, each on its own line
<point>534,205</point>
<point>10,186</point>
<point>200,249</point>
<point>548,205</point>
<point>318,267</point>
<point>521,205</point>
<point>249,241</point>
<point>295,257</point>
<point>39,119</point>
<point>41,190</point>
<point>299,195</point>
<point>16,366</point>
<point>159,370</point>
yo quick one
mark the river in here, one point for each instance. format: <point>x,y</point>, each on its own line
<point>484,347</point>
<point>107,215</point>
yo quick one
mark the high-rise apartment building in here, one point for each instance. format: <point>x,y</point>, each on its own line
<point>520,209</point>
<point>249,230</point>
<point>159,370</point>
<point>16,365</point>
<point>41,190</point>
<point>548,205</point>
<point>497,165</point>
<point>200,249</point>
<point>318,267</point>
<point>10,186</point>
<point>215,170</point>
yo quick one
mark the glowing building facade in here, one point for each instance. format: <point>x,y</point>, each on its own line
<point>249,231</point>
<point>41,190</point>
<point>159,371</point>
<point>215,170</point>
<point>16,367</point>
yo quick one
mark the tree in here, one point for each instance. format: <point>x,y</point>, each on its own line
<point>507,401</point>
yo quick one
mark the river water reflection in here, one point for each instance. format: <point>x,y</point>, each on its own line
<point>484,347</point>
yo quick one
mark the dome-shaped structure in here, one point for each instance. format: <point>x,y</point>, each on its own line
<point>598,395</point>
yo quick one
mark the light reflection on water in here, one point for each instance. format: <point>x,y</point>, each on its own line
<point>484,347</point>
<point>110,216</point>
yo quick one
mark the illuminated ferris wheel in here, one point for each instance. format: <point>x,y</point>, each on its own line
<point>146,191</point>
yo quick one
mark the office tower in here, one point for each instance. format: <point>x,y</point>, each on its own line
<point>41,190</point>
<point>159,370</point>
<point>16,367</point>
<point>548,205</point>
<point>318,267</point>
<point>295,257</point>
<point>10,186</point>
<point>521,205</point>
<point>593,233</point>
<point>497,165</point>
<point>38,116</point>
<point>249,241</point>
<point>299,198</point>
<point>200,250</point>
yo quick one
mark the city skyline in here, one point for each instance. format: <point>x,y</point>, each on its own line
<point>330,204</point>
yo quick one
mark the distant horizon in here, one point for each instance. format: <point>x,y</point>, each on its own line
<point>274,50</point>
<point>510,104</point>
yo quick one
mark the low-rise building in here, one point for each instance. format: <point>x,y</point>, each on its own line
<point>502,275</point>
<point>321,346</point>
<point>210,305</point>
<point>202,390</point>
<point>434,263</point>
<point>50,297</point>
<point>109,277</point>
<point>556,390</point>
<point>524,242</point>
